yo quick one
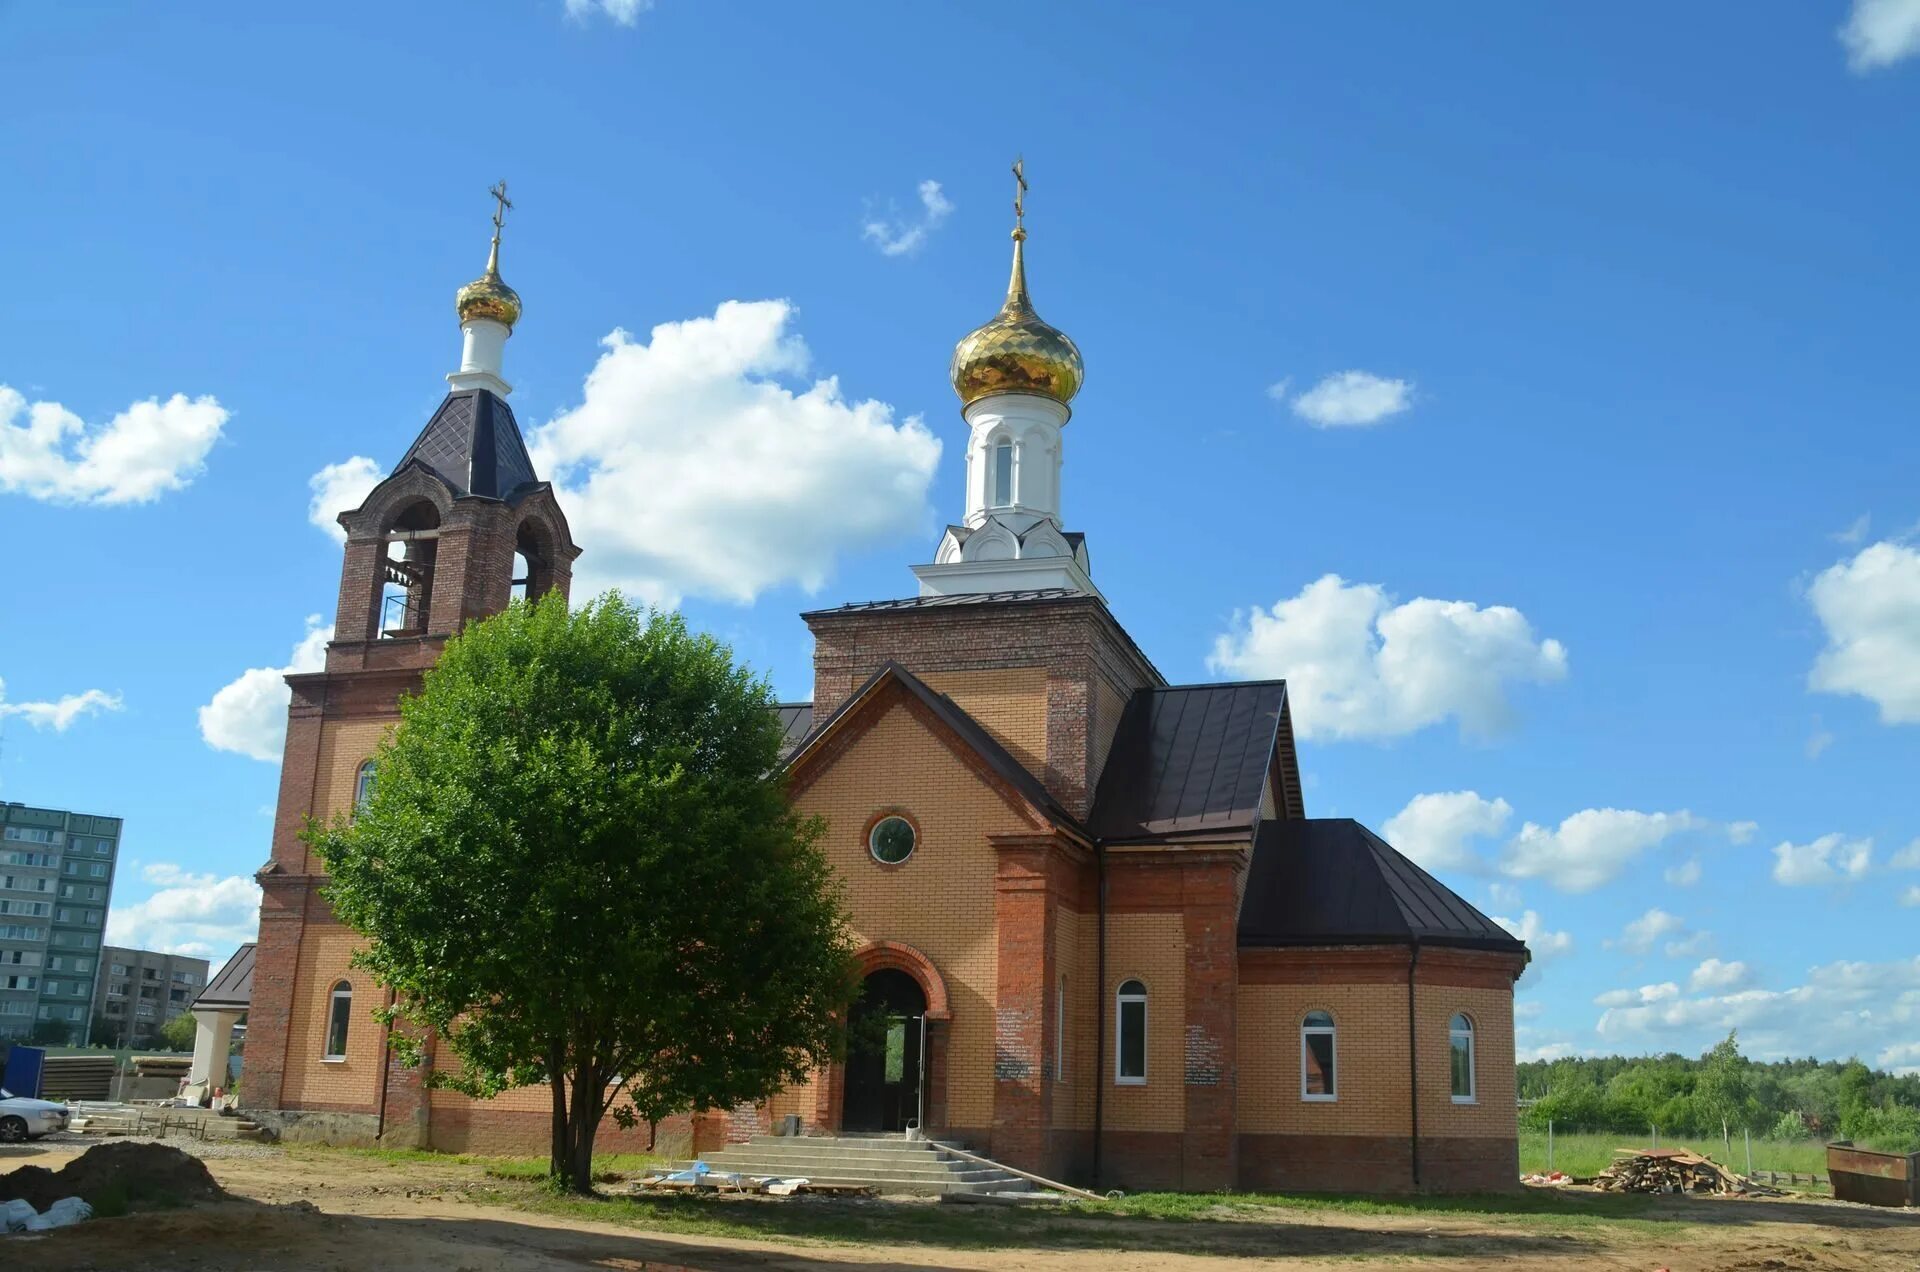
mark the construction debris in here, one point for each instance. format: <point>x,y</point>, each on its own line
<point>123,1172</point>
<point>1675,1170</point>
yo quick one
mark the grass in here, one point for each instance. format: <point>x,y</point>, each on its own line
<point>606,1166</point>
<point>1587,1154</point>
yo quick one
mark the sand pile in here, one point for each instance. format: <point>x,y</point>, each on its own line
<point>116,1177</point>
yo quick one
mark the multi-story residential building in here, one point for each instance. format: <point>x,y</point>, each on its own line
<point>56,880</point>
<point>138,991</point>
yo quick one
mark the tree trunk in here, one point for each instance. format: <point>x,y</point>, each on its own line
<point>557,1148</point>
<point>582,1125</point>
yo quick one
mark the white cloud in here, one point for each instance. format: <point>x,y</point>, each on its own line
<point>1639,936</point>
<point>1692,945</point>
<point>1879,33</point>
<point>1504,894</point>
<point>1684,875</point>
<point>1712,974</point>
<point>1902,1058</point>
<point>625,12</point>
<point>249,715</point>
<point>197,914</point>
<point>1870,608</point>
<point>1818,742</point>
<point>1828,859</point>
<point>693,471</point>
<point>1279,388</point>
<point>339,488</point>
<point>1911,897</point>
<point>1856,532</point>
<point>142,453</point>
<point>59,714</point>
<point>1545,1051</point>
<point>1589,848</point>
<point>1359,666</point>
<point>1907,858</point>
<point>896,235</point>
<point>1645,994</point>
<point>1532,929</point>
<point>1435,829</point>
<point>1353,399</point>
<point>1742,832</point>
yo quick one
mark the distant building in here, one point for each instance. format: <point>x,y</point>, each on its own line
<point>56,880</point>
<point>138,991</point>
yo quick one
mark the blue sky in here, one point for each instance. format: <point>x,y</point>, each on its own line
<point>1576,345</point>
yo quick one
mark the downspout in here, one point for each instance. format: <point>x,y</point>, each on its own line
<point>1100,1007</point>
<point>386,1067</point>
<point>1413,1062</point>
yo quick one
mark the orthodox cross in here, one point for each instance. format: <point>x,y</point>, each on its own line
<point>499,192</point>
<point>1019,192</point>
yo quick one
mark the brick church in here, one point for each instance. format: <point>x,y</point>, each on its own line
<point>1106,941</point>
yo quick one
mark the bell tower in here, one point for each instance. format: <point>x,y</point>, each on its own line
<point>460,527</point>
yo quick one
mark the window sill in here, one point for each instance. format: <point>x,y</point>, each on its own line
<point>1129,1082</point>
<point>1320,1099</point>
<point>333,1059</point>
<point>1465,1099</point>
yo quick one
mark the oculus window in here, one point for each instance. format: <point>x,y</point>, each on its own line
<point>891,841</point>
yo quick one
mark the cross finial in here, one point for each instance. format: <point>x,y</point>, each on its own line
<point>501,205</point>
<point>1019,192</point>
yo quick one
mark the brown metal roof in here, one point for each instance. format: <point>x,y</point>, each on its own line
<point>232,986</point>
<point>796,721</point>
<point>1189,758</point>
<point>1331,881</point>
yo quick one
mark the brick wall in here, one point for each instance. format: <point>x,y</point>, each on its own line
<point>1008,702</point>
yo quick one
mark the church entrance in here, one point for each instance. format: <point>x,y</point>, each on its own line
<point>885,1032</point>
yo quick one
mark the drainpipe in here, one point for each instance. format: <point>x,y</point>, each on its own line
<point>1100,1008</point>
<point>386,1064</point>
<point>1413,1062</point>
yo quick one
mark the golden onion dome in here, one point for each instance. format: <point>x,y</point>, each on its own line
<point>488,296</point>
<point>1015,352</point>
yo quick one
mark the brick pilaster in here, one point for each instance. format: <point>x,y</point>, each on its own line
<point>1209,1149</point>
<point>1024,917</point>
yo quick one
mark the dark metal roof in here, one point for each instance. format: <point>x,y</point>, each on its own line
<point>1189,758</point>
<point>949,712</point>
<point>1331,881</point>
<point>796,721</point>
<point>962,598</point>
<point>232,986</point>
<point>473,444</point>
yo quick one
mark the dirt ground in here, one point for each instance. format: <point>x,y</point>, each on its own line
<point>342,1211</point>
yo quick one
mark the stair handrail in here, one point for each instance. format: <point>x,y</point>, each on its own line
<point>1031,1178</point>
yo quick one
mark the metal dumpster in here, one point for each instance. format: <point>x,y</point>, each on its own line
<point>1878,1179</point>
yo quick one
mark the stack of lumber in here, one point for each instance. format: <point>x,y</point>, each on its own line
<point>1672,1170</point>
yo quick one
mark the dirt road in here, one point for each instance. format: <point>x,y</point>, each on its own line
<point>354,1213</point>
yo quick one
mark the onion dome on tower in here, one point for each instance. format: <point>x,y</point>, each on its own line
<point>488,296</point>
<point>1015,351</point>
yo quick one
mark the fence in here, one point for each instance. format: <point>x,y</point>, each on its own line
<point>1583,1152</point>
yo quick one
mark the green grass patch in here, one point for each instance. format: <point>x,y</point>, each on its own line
<point>606,1166</point>
<point>1586,1154</point>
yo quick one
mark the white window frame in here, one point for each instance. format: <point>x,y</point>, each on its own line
<point>1454,1034</point>
<point>363,779</point>
<point>997,498</point>
<point>1060,1030</point>
<point>1332,1032</point>
<point>1120,998</point>
<point>341,990</point>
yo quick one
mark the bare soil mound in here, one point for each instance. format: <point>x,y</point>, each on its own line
<point>114,1178</point>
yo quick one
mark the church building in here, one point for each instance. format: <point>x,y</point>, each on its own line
<point>1105,939</point>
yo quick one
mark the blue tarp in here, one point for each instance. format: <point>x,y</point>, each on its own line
<point>22,1069</point>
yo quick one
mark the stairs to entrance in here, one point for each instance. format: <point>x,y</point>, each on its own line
<point>887,1163</point>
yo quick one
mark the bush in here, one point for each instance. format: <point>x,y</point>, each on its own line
<point>1789,1127</point>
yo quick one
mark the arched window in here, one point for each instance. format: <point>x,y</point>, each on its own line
<point>1317,1057</point>
<point>1460,1052</point>
<point>406,578</point>
<point>1130,1034</point>
<point>1003,474</point>
<point>363,786</point>
<point>339,1013</point>
<point>1060,1031</point>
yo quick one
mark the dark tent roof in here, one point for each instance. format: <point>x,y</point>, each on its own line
<point>796,720</point>
<point>1189,758</point>
<point>1330,881</point>
<point>231,988</point>
<point>1026,597</point>
<point>949,712</point>
<point>473,445</point>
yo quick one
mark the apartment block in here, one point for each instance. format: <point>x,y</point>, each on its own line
<point>138,991</point>
<point>56,882</point>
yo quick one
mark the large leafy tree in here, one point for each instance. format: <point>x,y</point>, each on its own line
<point>578,867</point>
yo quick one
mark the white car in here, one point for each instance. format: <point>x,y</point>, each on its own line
<point>24,1119</point>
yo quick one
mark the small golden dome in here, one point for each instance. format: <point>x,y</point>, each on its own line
<point>488,296</point>
<point>1015,352</point>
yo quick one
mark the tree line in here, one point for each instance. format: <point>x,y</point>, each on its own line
<point>1780,1099</point>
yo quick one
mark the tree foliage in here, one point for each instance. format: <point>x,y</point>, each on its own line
<point>578,867</point>
<point>178,1033</point>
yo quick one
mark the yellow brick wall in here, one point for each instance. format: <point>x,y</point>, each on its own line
<point>1493,1112</point>
<point>1008,702</point>
<point>344,746</point>
<point>941,900</point>
<point>1108,703</point>
<point>309,1079</point>
<point>1370,1060</point>
<point>1073,936</point>
<point>1150,948</point>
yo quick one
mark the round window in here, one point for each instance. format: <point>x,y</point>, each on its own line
<point>891,840</point>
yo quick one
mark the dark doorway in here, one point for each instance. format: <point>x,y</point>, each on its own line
<point>883,1054</point>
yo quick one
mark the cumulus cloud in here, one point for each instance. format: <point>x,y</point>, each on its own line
<point>249,714</point>
<point>1742,832</point>
<point>1870,608</point>
<point>1352,399</point>
<point>145,451</point>
<point>1640,935</point>
<point>60,713</point>
<point>1712,974</point>
<point>1828,859</point>
<point>1589,848</point>
<point>1545,1051</point>
<point>1436,830</point>
<point>896,235</point>
<point>1907,858</point>
<point>1684,875</point>
<point>1878,33</point>
<point>1358,665</point>
<point>1532,929</point>
<point>195,914</point>
<point>1911,897</point>
<point>1645,994</point>
<point>624,12</point>
<point>339,488</point>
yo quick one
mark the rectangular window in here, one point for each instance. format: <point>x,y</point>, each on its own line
<point>101,847</point>
<point>98,869</point>
<point>20,982</point>
<point>896,1054</point>
<point>1460,1058</point>
<point>82,964</point>
<point>1003,475</point>
<point>1130,1035</point>
<point>1318,1078</point>
<point>338,1016</point>
<point>53,987</point>
<point>1060,1032</point>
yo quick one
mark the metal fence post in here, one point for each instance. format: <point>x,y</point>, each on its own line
<point>1747,1135</point>
<point>1549,1146</point>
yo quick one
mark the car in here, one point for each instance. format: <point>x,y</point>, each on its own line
<point>22,1118</point>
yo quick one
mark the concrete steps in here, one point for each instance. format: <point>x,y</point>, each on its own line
<point>887,1164</point>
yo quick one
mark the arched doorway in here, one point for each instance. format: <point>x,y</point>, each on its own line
<point>885,1031</point>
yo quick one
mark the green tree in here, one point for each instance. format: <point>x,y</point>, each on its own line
<point>178,1033</point>
<point>1723,1092</point>
<point>578,867</point>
